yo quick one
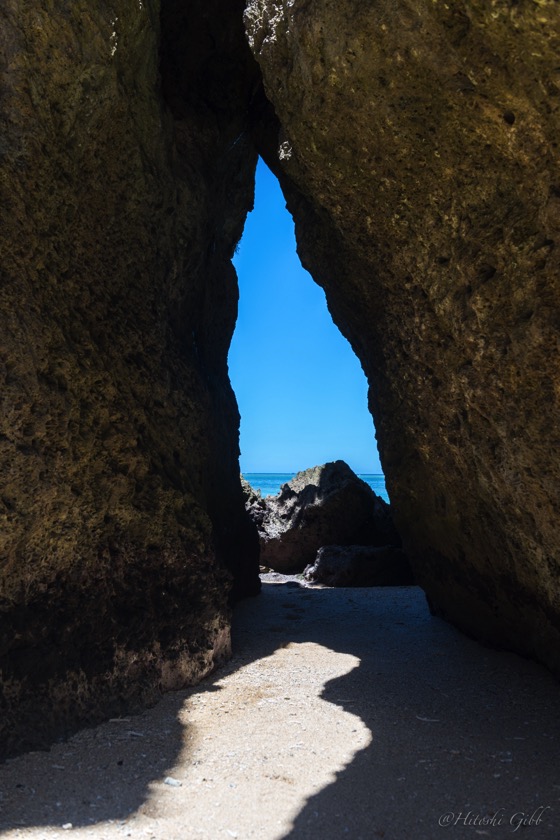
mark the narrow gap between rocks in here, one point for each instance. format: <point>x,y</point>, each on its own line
<point>300,388</point>
<point>306,433</point>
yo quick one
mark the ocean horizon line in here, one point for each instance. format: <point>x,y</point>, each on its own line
<point>295,472</point>
<point>270,483</point>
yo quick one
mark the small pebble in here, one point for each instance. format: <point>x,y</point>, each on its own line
<point>169,780</point>
<point>67,826</point>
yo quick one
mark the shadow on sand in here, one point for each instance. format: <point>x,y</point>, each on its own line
<point>461,734</point>
<point>100,774</point>
<point>456,729</point>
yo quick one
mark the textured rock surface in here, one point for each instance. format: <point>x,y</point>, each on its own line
<point>120,501</point>
<point>360,565</point>
<point>417,143</point>
<point>255,505</point>
<point>321,506</point>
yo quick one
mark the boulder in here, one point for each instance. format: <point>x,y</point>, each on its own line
<point>321,506</point>
<point>360,565</point>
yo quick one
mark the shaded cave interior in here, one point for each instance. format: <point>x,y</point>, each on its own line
<point>147,471</point>
<point>455,526</point>
<point>120,442</point>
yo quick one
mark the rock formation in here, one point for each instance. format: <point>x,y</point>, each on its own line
<point>255,505</point>
<point>124,186</point>
<point>320,506</point>
<point>360,565</point>
<point>417,145</point>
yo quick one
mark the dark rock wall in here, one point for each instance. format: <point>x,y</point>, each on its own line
<point>209,79</point>
<point>417,144</point>
<point>118,428</point>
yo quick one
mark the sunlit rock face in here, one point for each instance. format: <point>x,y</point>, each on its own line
<point>417,144</point>
<point>124,183</point>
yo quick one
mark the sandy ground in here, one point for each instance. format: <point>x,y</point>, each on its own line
<point>344,713</point>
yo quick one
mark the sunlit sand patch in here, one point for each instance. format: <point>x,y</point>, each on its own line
<point>256,745</point>
<point>266,741</point>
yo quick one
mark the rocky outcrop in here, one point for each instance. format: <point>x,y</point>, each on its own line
<point>120,504</point>
<point>320,506</point>
<point>417,145</point>
<point>255,505</point>
<point>360,565</point>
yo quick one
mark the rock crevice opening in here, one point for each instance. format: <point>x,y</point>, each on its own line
<point>417,149</point>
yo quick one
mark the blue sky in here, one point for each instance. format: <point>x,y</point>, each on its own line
<point>301,391</point>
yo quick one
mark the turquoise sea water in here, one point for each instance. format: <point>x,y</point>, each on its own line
<point>269,483</point>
